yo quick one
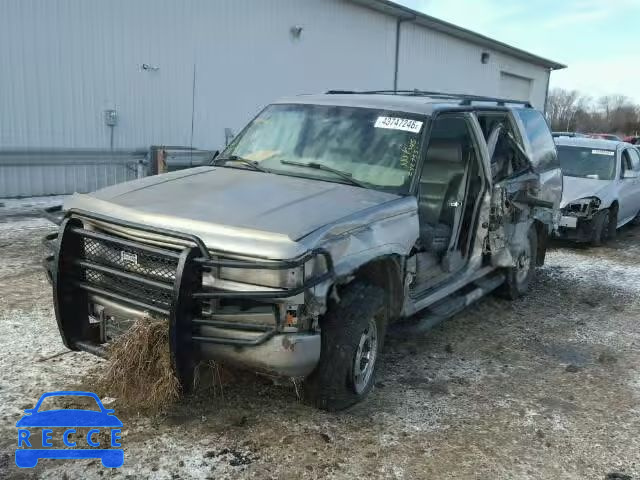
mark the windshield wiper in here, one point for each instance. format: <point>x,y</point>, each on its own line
<point>245,161</point>
<point>319,166</point>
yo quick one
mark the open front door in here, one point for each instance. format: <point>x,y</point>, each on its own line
<point>450,186</point>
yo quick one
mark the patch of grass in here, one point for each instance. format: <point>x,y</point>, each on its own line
<point>211,377</point>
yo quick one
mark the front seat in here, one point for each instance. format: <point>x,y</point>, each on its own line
<point>442,175</point>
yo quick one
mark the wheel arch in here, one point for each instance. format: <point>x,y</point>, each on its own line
<point>386,272</point>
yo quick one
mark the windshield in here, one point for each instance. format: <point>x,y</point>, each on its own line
<point>587,162</point>
<point>376,148</point>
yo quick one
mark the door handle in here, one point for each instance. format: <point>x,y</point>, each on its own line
<point>455,204</point>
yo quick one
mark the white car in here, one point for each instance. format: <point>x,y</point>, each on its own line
<point>601,188</point>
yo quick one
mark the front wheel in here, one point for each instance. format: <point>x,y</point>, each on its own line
<point>601,228</point>
<point>519,277</point>
<point>352,333</point>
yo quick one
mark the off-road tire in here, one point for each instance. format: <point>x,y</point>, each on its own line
<point>601,222</point>
<point>515,285</point>
<point>330,386</point>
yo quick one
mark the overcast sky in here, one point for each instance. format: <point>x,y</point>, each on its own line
<point>599,40</point>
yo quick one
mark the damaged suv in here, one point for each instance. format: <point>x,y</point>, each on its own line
<point>328,219</point>
<point>601,188</point>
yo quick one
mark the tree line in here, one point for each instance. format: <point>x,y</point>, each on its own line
<point>573,111</point>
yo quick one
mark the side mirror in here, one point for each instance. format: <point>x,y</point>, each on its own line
<point>630,174</point>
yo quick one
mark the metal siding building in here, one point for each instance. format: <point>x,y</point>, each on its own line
<point>212,64</point>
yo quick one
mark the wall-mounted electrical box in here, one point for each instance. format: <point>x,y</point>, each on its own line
<point>110,118</point>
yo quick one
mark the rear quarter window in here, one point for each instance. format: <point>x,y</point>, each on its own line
<point>635,159</point>
<point>542,148</point>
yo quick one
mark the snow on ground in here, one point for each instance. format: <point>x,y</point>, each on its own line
<point>543,387</point>
<point>28,206</point>
<point>617,271</point>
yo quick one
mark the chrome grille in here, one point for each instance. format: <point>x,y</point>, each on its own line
<point>147,264</point>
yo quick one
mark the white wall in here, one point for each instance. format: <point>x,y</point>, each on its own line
<point>64,62</point>
<point>430,60</point>
<point>246,63</point>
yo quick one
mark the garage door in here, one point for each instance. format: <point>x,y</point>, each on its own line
<point>515,87</point>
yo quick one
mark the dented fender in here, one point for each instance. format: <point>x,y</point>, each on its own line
<point>392,230</point>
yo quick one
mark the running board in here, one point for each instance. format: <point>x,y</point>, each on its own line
<point>446,308</point>
<point>444,292</point>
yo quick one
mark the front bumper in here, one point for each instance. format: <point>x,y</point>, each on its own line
<point>285,354</point>
<point>575,229</point>
<point>93,271</point>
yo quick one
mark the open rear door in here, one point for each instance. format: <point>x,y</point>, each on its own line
<point>520,194</point>
<point>528,169</point>
<point>543,157</point>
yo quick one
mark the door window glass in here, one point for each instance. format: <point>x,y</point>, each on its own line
<point>543,149</point>
<point>507,159</point>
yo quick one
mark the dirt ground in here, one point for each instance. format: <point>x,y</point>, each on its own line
<point>546,387</point>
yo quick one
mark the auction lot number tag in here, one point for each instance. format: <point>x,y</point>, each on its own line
<point>609,153</point>
<point>395,123</point>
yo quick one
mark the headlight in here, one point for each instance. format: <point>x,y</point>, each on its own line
<point>277,278</point>
<point>282,278</point>
<point>582,206</point>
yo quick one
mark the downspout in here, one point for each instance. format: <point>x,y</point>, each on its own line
<point>546,92</point>
<point>399,21</point>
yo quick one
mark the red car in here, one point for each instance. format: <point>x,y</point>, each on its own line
<point>605,136</point>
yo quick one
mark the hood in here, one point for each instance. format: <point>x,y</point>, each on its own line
<point>257,204</point>
<point>578,187</point>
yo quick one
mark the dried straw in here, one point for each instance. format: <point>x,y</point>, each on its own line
<point>139,372</point>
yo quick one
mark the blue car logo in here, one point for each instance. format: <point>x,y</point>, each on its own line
<point>28,453</point>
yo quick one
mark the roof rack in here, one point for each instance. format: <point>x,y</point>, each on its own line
<point>464,99</point>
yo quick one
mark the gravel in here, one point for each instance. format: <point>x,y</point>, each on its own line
<point>543,387</point>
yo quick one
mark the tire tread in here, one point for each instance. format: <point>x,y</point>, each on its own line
<point>328,386</point>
